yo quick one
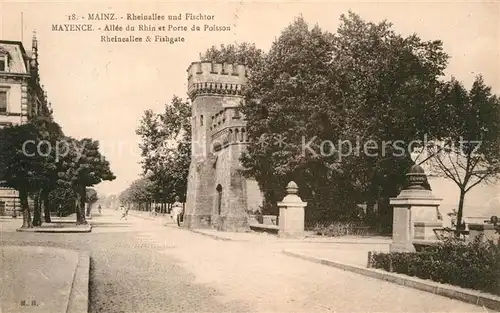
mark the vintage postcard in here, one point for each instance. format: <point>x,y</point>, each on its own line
<point>249,156</point>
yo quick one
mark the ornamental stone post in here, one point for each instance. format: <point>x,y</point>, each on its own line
<point>291,218</point>
<point>489,230</point>
<point>415,213</point>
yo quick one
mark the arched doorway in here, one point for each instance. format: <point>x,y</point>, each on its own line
<point>219,199</point>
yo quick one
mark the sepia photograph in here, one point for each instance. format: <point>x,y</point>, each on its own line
<point>249,156</point>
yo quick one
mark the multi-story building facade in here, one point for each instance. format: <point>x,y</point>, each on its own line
<point>22,98</point>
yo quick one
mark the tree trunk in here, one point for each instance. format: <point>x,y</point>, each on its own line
<point>77,209</point>
<point>370,212</point>
<point>23,197</point>
<point>46,206</point>
<point>80,209</point>
<point>37,211</point>
<point>461,209</point>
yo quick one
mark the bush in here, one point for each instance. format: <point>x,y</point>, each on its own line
<point>333,229</point>
<point>474,265</point>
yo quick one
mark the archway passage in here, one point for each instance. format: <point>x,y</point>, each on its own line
<point>219,199</point>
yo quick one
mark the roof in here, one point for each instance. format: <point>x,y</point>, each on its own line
<point>17,56</point>
<point>13,42</point>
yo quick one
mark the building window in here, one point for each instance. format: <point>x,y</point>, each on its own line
<point>3,101</point>
<point>201,120</point>
<point>3,63</point>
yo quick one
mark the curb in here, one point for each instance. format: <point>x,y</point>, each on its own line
<point>212,236</point>
<point>79,295</point>
<point>465,295</point>
<point>56,230</point>
<point>216,237</point>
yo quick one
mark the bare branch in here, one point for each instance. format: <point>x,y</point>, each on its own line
<point>447,172</point>
<point>455,168</point>
<point>480,179</point>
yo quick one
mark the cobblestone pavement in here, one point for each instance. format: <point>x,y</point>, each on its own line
<point>139,265</point>
<point>128,271</point>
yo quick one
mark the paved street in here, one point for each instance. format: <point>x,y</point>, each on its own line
<point>139,265</point>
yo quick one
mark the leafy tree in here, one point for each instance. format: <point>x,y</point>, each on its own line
<point>468,150</point>
<point>388,83</point>
<point>21,164</point>
<point>166,149</point>
<point>364,83</point>
<point>243,53</point>
<point>63,199</point>
<point>84,166</point>
<point>50,136</point>
<point>91,199</point>
<point>152,140</point>
<point>282,92</point>
<point>139,192</point>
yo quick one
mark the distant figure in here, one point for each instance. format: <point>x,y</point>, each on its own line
<point>100,209</point>
<point>453,218</point>
<point>176,211</point>
<point>125,213</point>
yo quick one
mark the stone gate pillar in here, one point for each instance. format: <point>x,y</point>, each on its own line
<point>291,218</point>
<point>415,213</point>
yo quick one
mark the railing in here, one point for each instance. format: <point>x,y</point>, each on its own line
<point>446,232</point>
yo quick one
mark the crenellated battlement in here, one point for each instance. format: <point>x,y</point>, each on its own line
<point>227,127</point>
<point>229,135</point>
<point>227,117</point>
<point>210,78</point>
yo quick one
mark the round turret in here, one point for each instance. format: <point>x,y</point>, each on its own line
<point>211,78</point>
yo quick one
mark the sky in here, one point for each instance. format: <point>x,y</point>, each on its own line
<point>100,90</point>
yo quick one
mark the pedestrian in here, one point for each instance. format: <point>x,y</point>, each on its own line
<point>125,213</point>
<point>100,209</point>
<point>176,211</point>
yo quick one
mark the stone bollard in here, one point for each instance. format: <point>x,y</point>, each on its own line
<point>487,230</point>
<point>415,213</point>
<point>291,218</point>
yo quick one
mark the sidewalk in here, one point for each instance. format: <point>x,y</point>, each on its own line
<point>51,279</point>
<point>350,253</point>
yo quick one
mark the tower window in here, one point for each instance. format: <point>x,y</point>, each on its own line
<point>236,115</point>
<point>201,120</point>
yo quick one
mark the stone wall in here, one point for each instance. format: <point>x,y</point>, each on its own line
<point>230,182</point>
<point>218,193</point>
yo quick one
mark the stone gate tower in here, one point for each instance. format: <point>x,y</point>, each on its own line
<point>217,193</point>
